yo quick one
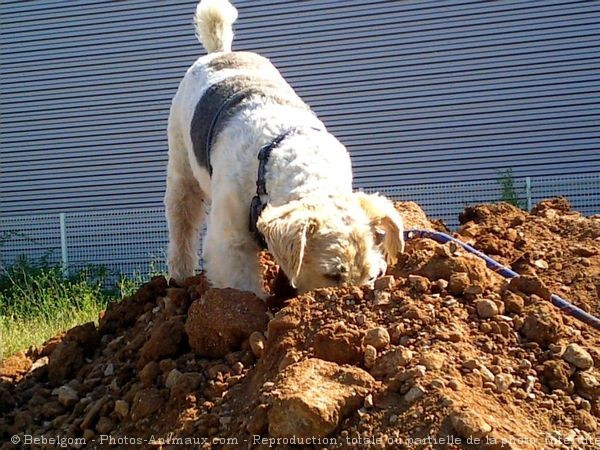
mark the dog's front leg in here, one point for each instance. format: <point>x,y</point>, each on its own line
<point>232,261</point>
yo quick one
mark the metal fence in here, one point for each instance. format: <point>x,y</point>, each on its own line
<point>134,241</point>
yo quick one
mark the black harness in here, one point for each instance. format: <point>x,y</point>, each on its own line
<point>218,104</point>
<point>258,205</point>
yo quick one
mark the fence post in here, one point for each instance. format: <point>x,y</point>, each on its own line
<point>528,192</point>
<point>63,243</point>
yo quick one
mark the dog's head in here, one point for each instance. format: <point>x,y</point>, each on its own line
<point>346,240</point>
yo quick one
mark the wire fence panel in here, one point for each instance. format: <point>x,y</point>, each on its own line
<point>131,242</point>
<point>35,237</point>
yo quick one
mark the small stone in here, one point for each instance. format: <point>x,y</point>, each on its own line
<point>257,343</point>
<point>149,373</point>
<point>513,303</point>
<point>588,386</point>
<point>540,264</point>
<point>368,401</point>
<point>92,413</point>
<point>414,393</point>
<point>453,384</point>
<point>470,364</point>
<point>258,422</point>
<point>578,356</point>
<point>393,419</point>
<point>88,434</point>
<point>585,421</point>
<point>486,373</point>
<point>503,381</point>
<point>382,298</point>
<point>385,282</point>
<point>418,283</point>
<point>104,425</point>
<point>432,361</point>
<point>390,362</point>
<point>109,370</point>
<point>441,285</point>
<point>473,290</point>
<point>458,282</point>
<point>172,378</point>
<point>145,403</point>
<point>370,355</point>
<point>377,337</point>
<point>438,383</point>
<point>121,409</point>
<point>469,424</point>
<point>486,309</point>
<point>67,396</point>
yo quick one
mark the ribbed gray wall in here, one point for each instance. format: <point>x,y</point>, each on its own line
<point>419,91</point>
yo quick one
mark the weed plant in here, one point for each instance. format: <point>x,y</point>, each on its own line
<point>38,301</point>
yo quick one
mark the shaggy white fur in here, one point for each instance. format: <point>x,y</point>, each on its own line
<point>318,230</point>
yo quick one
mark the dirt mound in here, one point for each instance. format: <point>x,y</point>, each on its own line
<point>442,353</point>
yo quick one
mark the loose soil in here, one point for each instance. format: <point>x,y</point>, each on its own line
<point>442,354</point>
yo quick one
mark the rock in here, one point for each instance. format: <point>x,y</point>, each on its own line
<point>588,385</point>
<point>390,362</point>
<point>104,425</point>
<point>513,303</point>
<point>419,283</point>
<point>432,361</point>
<point>385,282</point>
<point>172,378</point>
<point>67,396</point>
<point>578,356</point>
<point>377,337</point>
<point>164,341</point>
<point>258,423</point>
<point>185,384</point>
<point>109,370</point>
<point>92,413</point>
<point>555,374</point>
<point>64,361</point>
<point>88,434</point>
<point>486,309</point>
<point>239,314</point>
<point>458,282</point>
<point>311,397</point>
<point>414,394</point>
<point>14,367</point>
<point>52,409</point>
<point>121,409</point>
<point>149,373</point>
<point>530,285</point>
<point>585,421</point>
<point>370,355</point>
<point>257,343</point>
<point>503,381</point>
<point>542,324</point>
<point>469,424</point>
<point>145,403</point>
<point>339,343</point>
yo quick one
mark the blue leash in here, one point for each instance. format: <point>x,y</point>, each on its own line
<point>565,306</point>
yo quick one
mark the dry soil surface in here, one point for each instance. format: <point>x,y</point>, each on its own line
<point>442,353</point>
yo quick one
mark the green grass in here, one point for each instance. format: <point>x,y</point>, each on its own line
<point>39,301</point>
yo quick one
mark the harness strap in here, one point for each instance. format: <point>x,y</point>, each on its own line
<point>257,205</point>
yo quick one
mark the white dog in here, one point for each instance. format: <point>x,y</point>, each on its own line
<point>228,107</point>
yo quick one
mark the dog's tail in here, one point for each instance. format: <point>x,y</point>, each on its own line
<point>214,24</point>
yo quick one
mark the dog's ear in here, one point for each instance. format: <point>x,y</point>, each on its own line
<point>286,230</point>
<point>386,222</point>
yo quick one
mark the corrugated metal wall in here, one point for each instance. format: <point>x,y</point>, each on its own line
<point>420,91</point>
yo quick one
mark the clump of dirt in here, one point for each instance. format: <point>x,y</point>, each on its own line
<point>441,353</point>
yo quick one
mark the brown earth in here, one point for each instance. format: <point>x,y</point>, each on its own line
<point>442,354</point>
